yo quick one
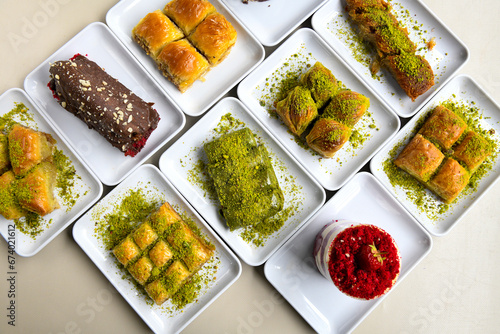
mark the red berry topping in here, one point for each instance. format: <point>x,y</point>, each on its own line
<point>369,257</point>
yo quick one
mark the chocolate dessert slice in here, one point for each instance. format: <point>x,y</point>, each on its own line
<point>83,88</point>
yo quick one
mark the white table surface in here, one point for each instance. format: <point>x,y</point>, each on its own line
<point>455,289</point>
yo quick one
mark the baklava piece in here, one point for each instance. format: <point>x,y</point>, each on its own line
<point>443,127</point>
<point>4,153</point>
<point>141,270</point>
<point>347,107</point>
<point>28,148</point>
<point>35,191</point>
<point>187,14</point>
<point>412,72</point>
<point>420,158</point>
<point>472,150</point>
<point>9,205</point>
<point>144,236</point>
<point>182,64</point>
<point>169,282</point>
<point>163,218</point>
<point>449,181</point>
<point>154,31</point>
<point>244,179</point>
<point>214,37</point>
<point>84,89</point>
<point>161,253</point>
<point>328,136</point>
<point>297,110</point>
<point>126,251</point>
<point>321,83</point>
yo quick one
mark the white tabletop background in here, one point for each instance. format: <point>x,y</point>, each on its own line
<point>455,289</point>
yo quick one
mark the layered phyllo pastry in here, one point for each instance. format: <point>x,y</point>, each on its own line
<point>328,136</point>
<point>9,205</point>
<point>186,40</point>
<point>347,107</point>
<point>244,179</point>
<point>187,14</point>
<point>420,158</point>
<point>28,147</point>
<point>155,31</point>
<point>214,37</point>
<point>162,253</point>
<point>297,110</point>
<point>321,82</point>
<point>444,154</point>
<point>394,49</point>
<point>443,127</point>
<point>182,64</point>
<point>105,105</point>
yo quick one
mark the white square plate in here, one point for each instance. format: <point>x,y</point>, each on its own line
<point>101,46</point>
<point>89,187</point>
<point>273,20</point>
<point>292,269</point>
<point>306,46</point>
<point>245,55</point>
<point>150,179</point>
<point>446,58</point>
<point>178,160</point>
<point>461,88</point>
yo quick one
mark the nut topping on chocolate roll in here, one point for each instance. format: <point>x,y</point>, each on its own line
<point>83,88</point>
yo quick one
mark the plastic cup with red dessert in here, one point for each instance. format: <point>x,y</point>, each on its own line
<point>361,260</point>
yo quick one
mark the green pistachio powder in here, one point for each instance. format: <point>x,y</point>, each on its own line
<point>198,175</point>
<point>68,193</point>
<point>426,202</point>
<point>129,209</point>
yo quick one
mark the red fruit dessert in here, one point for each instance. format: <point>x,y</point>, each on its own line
<point>362,260</point>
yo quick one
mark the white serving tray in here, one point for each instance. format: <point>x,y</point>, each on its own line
<point>150,179</point>
<point>446,58</point>
<point>89,187</point>
<point>330,173</point>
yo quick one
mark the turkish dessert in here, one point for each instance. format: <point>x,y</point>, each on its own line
<point>320,82</point>
<point>162,253</point>
<point>321,113</point>
<point>84,89</point>
<point>186,40</point>
<point>214,37</point>
<point>244,179</point>
<point>187,14</point>
<point>35,191</point>
<point>297,110</point>
<point>444,154</point>
<point>182,64</point>
<point>328,136</point>
<point>4,153</point>
<point>361,260</point>
<point>28,183</point>
<point>28,147</point>
<point>9,206</point>
<point>394,49</point>
<point>154,31</point>
<point>347,107</point>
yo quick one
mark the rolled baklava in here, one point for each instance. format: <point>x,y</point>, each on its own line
<point>297,110</point>
<point>103,103</point>
<point>321,82</point>
<point>327,136</point>
<point>347,107</point>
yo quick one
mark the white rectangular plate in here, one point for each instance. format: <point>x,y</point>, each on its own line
<point>152,181</point>
<point>89,187</point>
<point>309,47</point>
<point>292,270</point>
<point>245,55</point>
<point>101,46</point>
<point>273,20</point>
<point>178,160</point>
<point>464,89</point>
<point>446,58</point>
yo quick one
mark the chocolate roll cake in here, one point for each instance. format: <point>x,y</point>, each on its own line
<point>83,88</point>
